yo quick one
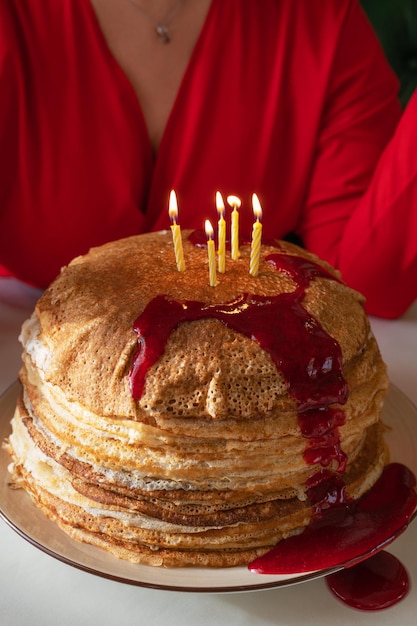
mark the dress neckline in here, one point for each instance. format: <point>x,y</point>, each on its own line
<point>129,90</point>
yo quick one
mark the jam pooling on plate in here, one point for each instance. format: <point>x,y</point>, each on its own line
<point>377,583</point>
<point>355,528</point>
<point>352,534</point>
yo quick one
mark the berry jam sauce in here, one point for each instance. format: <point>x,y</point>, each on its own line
<point>278,323</point>
<point>314,379</point>
<point>354,528</point>
<point>377,583</point>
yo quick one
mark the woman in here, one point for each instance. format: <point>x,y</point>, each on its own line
<point>101,116</point>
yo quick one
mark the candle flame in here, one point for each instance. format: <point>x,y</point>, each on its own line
<point>173,207</point>
<point>219,203</point>
<point>257,209</point>
<point>209,229</point>
<point>234,201</point>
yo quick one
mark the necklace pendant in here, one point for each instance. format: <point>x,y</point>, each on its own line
<point>163,33</point>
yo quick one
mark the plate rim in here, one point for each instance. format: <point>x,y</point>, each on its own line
<point>10,396</point>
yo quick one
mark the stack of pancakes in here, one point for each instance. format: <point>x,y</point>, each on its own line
<point>207,464</point>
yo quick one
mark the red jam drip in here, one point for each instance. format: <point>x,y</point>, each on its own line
<point>326,492</point>
<point>377,583</point>
<point>347,532</point>
<point>320,428</point>
<point>280,324</point>
<point>319,425</point>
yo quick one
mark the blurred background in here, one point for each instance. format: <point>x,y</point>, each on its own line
<point>395,22</point>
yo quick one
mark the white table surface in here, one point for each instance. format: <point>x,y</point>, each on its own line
<point>36,589</point>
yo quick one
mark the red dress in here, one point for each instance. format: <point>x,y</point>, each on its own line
<point>283,98</point>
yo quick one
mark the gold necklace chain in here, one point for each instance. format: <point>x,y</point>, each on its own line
<point>161,27</point>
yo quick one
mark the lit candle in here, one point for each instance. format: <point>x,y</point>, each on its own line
<point>255,250</point>
<point>235,203</point>
<point>176,231</point>
<point>221,234</point>
<point>211,254</point>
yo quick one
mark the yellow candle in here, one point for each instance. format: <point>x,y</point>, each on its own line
<point>211,254</point>
<point>221,235</point>
<point>255,250</point>
<point>234,202</point>
<point>176,232</point>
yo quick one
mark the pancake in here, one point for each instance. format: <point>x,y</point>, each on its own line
<point>176,424</point>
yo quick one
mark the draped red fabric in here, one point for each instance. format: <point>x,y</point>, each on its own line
<point>291,100</point>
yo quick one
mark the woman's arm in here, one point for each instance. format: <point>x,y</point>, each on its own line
<point>378,249</point>
<point>342,221</point>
